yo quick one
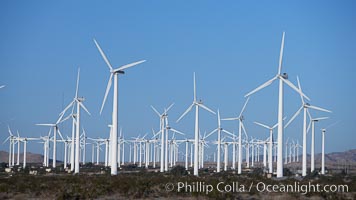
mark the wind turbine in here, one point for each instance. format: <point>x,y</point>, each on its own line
<point>162,127</point>
<point>202,145</point>
<point>55,131</point>
<point>114,73</point>
<point>45,142</point>
<point>240,118</point>
<point>286,154</point>
<point>305,106</point>
<point>270,128</point>
<point>79,102</point>
<point>167,129</point>
<point>219,129</point>
<point>197,104</point>
<point>283,78</point>
<point>25,140</point>
<point>11,144</point>
<point>323,147</point>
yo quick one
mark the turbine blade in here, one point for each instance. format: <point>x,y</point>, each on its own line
<point>243,108</point>
<point>155,134</point>
<point>154,109</point>
<point>8,128</point>
<point>206,108</point>
<point>212,132</point>
<point>331,125</point>
<point>45,125</point>
<point>60,118</point>
<point>310,117</point>
<point>195,90</point>
<point>169,107</point>
<point>294,116</point>
<point>106,93</point>
<point>281,55</point>
<point>86,110</point>
<point>227,132</point>
<point>231,118</point>
<point>77,88</point>
<point>129,65</point>
<point>174,130</point>
<point>273,127</point>
<point>65,119</point>
<point>310,121</point>
<point>66,108</point>
<point>60,134</point>
<point>190,107</point>
<point>318,108</point>
<point>293,87</point>
<point>269,82</point>
<point>6,139</point>
<point>263,125</point>
<point>300,88</point>
<point>49,132</point>
<point>103,55</point>
<point>321,118</point>
<point>219,123</point>
<point>243,128</point>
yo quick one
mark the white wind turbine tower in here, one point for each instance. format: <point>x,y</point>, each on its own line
<point>219,129</point>
<point>226,153</point>
<point>282,78</point>
<point>286,152</point>
<point>312,151</point>
<point>240,118</point>
<point>18,148</point>
<point>114,73</point>
<point>305,106</point>
<point>162,128</point>
<point>197,104</point>
<point>298,146</point>
<point>79,102</point>
<point>323,147</point>
<point>270,163</point>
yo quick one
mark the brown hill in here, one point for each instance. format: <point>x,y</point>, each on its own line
<point>31,157</point>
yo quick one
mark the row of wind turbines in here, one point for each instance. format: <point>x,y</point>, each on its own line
<point>161,148</point>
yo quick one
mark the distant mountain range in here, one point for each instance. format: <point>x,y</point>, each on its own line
<point>31,157</point>
<point>334,157</point>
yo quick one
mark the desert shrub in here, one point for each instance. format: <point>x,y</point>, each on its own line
<point>178,171</point>
<point>287,172</point>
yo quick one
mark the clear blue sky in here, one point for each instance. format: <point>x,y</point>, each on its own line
<point>233,46</point>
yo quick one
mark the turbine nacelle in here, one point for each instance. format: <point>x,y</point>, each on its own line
<point>118,71</point>
<point>242,118</point>
<point>284,75</point>
<point>80,99</point>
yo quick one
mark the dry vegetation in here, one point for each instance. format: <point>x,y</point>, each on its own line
<point>139,183</point>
